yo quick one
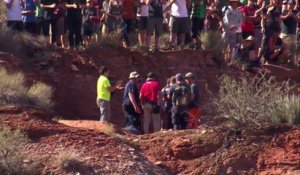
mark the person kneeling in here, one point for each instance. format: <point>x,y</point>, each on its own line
<point>245,54</point>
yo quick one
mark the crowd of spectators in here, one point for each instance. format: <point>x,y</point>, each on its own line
<point>273,24</point>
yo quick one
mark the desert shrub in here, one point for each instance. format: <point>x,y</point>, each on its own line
<point>12,144</point>
<point>68,160</point>
<point>213,42</point>
<point>41,93</point>
<point>164,40</point>
<point>112,39</point>
<point>257,103</point>
<point>2,12</point>
<point>12,88</point>
<point>19,43</point>
<point>288,109</point>
<point>13,91</point>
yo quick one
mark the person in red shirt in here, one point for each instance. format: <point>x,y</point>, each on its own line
<point>248,12</point>
<point>149,96</point>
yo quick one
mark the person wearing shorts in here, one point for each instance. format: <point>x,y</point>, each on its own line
<point>13,15</point>
<point>49,19</point>
<point>198,15</point>
<point>60,12</point>
<point>74,22</point>
<point>179,21</point>
<point>142,21</point>
<point>89,14</point>
<point>155,23</point>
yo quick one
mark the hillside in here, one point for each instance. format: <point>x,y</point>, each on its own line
<point>213,148</point>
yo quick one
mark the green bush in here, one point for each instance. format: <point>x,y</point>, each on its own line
<point>13,91</point>
<point>257,103</point>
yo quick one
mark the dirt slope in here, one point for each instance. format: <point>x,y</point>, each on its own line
<point>98,153</point>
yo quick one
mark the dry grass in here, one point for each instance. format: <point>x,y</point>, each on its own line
<point>112,39</point>
<point>21,44</point>
<point>13,91</point>
<point>108,129</point>
<point>12,144</point>
<point>41,94</point>
<point>68,160</point>
<point>2,12</point>
<point>213,42</point>
<point>257,103</point>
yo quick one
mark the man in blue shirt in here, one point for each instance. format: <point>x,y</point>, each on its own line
<point>28,16</point>
<point>131,104</point>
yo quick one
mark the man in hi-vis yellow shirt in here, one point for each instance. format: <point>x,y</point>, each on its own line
<point>104,90</point>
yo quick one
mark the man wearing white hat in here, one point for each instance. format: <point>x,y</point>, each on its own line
<point>131,104</point>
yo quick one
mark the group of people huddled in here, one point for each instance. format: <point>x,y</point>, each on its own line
<point>265,24</point>
<point>147,107</point>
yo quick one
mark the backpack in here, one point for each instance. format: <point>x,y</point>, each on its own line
<point>155,9</point>
<point>181,95</point>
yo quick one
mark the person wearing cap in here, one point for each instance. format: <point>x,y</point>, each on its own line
<point>232,22</point>
<point>104,90</point>
<point>181,96</point>
<point>149,96</point>
<point>194,105</point>
<point>131,104</point>
<point>166,122</point>
<point>245,54</point>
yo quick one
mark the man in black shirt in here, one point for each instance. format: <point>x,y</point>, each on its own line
<point>48,7</point>
<point>181,95</point>
<point>74,21</point>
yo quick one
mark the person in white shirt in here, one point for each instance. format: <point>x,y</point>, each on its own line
<point>232,22</point>
<point>179,20</point>
<point>14,15</point>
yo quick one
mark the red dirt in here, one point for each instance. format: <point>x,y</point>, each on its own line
<point>207,150</point>
<point>98,153</point>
